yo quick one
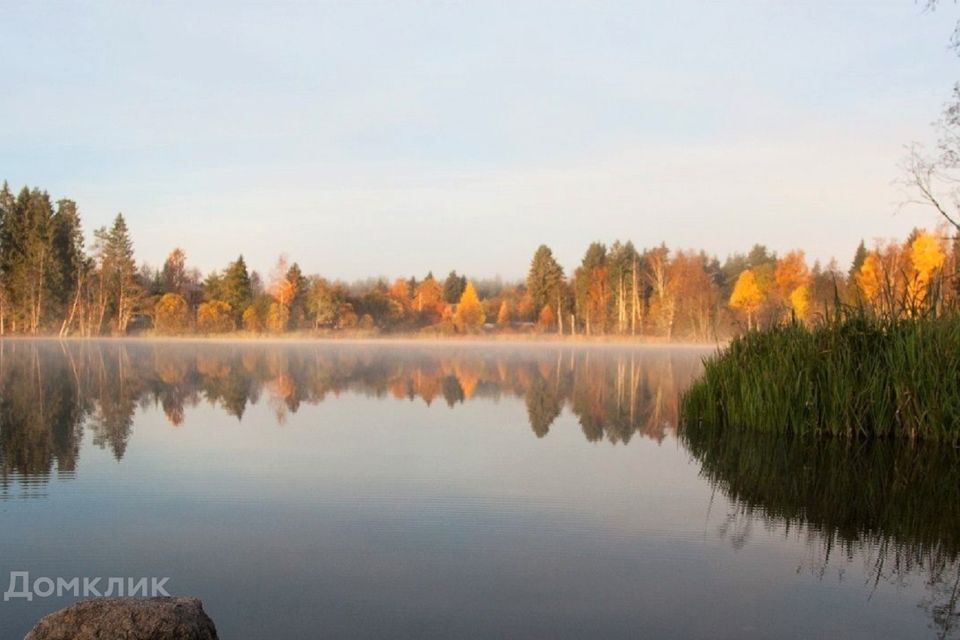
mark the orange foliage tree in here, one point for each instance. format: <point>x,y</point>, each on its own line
<point>691,296</point>
<point>792,278</point>
<point>282,290</point>
<point>428,300</point>
<point>547,318</point>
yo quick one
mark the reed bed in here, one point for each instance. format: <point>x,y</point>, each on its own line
<point>850,377</point>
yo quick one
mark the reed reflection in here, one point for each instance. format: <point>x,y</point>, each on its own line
<point>893,506</point>
<point>51,391</point>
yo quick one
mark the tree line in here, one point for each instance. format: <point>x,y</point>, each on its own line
<point>52,283</point>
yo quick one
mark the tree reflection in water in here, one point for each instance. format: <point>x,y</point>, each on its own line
<point>51,391</point>
<point>895,506</point>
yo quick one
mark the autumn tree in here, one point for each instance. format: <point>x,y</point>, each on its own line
<point>693,295</point>
<point>331,305</point>
<point>792,278</point>
<point>401,300</point>
<point>927,256</point>
<point>173,276</point>
<point>869,278</point>
<point>747,296</point>
<point>547,318</point>
<point>829,286</point>
<point>591,291</point>
<point>882,279</point>
<point>171,315</point>
<point>253,320</point>
<point>470,315</point>
<point>215,316</point>
<point>282,291</point>
<point>429,300</point>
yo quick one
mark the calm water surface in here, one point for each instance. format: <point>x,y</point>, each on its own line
<point>308,490</point>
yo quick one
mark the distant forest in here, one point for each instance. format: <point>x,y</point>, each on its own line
<point>51,283</point>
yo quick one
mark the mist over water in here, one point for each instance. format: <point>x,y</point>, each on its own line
<point>462,490</point>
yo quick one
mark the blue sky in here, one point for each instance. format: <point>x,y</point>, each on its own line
<point>393,138</point>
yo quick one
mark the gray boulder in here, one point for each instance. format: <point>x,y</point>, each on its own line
<point>128,619</point>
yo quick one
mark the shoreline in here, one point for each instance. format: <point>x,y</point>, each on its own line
<point>524,340</point>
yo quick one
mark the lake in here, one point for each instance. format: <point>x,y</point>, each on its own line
<point>456,490</point>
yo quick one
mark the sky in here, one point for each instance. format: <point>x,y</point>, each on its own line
<point>392,138</point>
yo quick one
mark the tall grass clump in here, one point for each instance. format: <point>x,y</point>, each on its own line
<point>853,376</point>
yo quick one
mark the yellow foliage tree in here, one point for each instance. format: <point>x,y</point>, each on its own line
<point>926,256</point>
<point>170,314</point>
<point>800,301</point>
<point>869,278</point>
<point>251,320</point>
<point>470,315</point>
<point>215,316</point>
<point>747,296</point>
<point>277,316</point>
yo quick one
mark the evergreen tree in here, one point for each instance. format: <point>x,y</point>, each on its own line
<point>235,287</point>
<point>544,277</point>
<point>28,265</point>
<point>545,283</point>
<point>624,284</point>
<point>859,257</point>
<point>298,298</point>
<point>453,287</point>
<point>590,290</point>
<point>213,287</point>
<point>6,210</point>
<point>119,273</point>
<point>71,262</point>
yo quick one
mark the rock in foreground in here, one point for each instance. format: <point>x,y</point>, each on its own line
<point>128,619</point>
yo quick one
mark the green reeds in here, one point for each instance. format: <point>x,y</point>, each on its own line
<point>853,377</point>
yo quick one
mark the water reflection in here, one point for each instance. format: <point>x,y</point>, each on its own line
<point>894,507</point>
<point>411,501</point>
<point>51,391</point>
